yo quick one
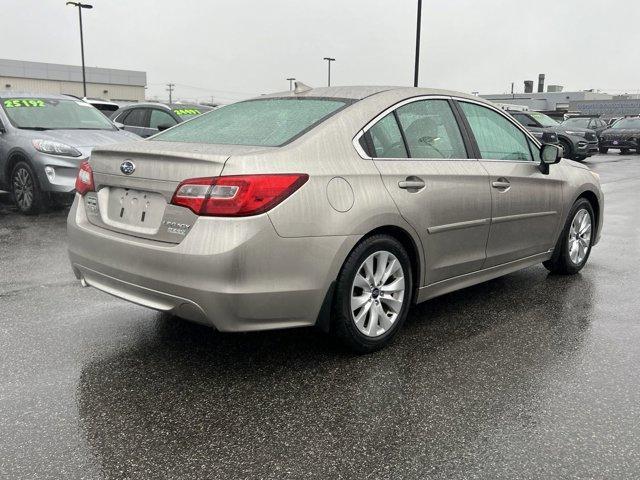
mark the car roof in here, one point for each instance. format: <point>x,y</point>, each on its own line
<point>364,91</point>
<point>50,96</point>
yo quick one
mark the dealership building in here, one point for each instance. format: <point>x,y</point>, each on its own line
<point>105,83</point>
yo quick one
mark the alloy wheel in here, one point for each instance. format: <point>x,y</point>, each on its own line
<point>377,293</point>
<point>579,236</point>
<point>23,188</point>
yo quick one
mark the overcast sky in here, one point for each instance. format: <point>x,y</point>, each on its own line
<point>233,49</point>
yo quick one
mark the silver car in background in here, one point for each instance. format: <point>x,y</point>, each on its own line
<point>336,207</point>
<point>43,140</point>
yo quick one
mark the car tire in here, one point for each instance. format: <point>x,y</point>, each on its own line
<point>364,296</point>
<point>624,151</point>
<point>566,260</point>
<point>25,189</point>
<point>579,158</point>
<point>566,149</point>
<point>603,150</point>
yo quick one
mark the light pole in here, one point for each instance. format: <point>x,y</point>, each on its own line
<point>80,7</point>
<point>419,22</point>
<point>291,80</point>
<point>329,60</point>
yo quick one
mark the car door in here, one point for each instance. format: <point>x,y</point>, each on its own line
<point>526,203</point>
<point>422,156</point>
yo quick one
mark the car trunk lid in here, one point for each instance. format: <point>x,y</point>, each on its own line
<point>134,185</point>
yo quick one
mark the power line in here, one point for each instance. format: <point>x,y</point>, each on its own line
<point>170,90</point>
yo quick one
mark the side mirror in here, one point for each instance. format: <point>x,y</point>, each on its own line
<point>164,126</point>
<point>119,126</point>
<point>550,154</point>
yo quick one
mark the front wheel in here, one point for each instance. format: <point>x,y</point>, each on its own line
<point>574,246</point>
<point>566,149</point>
<point>603,150</point>
<point>25,189</point>
<point>624,151</point>
<point>373,294</point>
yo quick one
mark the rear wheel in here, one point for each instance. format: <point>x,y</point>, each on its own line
<point>574,246</point>
<point>603,150</point>
<point>624,151</point>
<point>25,189</point>
<point>373,294</point>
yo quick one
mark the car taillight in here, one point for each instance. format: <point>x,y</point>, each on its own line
<point>238,195</point>
<point>84,180</point>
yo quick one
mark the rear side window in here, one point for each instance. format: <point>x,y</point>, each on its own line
<point>263,122</point>
<point>158,117</point>
<point>431,130</point>
<point>497,137</point>
<point>386,139</point>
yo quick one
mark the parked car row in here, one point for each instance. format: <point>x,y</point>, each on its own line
<point>577,142</point>
<point>146,119</point>
<point>45,138</point>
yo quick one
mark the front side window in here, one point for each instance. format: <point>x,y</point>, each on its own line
<point>386,139</point>
<point>576,123</point>
<point>431,130</point>
<point>269,122</point>
<point>497,137</point>
<point>54,114</point>
<point>158,117</point>
<point>136,118</point>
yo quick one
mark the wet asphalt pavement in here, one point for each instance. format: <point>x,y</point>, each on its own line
<point>527,376</point>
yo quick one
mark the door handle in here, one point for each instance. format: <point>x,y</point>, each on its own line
<point>501,184</point>
<point>412,183</point>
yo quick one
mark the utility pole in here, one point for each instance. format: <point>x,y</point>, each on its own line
<point>80,7</point>
<point>512,93</point>
<point>170,90</point>
<point>291,80</point>
<point>419,23</point>
<point>329,60</point>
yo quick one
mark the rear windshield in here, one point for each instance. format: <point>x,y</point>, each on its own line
<point>54,114</point>
<point>268,122</point>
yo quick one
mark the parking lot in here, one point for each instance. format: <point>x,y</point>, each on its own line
<point>526,376</point>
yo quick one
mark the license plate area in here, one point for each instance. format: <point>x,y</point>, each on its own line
<point>132,210</point>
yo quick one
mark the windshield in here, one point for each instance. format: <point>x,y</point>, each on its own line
<point>627,123</point>
<point>543,119</point>
<point>263,122</point>
<point>576,122</point>
<point>54,114</point>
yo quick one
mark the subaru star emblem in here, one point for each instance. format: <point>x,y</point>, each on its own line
<point>127,167</point>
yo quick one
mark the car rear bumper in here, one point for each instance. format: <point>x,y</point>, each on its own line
<point>232,274</point>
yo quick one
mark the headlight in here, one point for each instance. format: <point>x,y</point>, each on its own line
<point>55,148</point>
<point>577,134</point>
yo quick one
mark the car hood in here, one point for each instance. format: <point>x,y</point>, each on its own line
<point>85,138</point>
<point>621,132</point>
<point>560,129</point>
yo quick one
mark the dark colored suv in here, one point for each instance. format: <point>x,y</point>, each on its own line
<point>146,119</point>
<point>577,143</point>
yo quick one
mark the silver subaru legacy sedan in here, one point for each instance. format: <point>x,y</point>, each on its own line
<point>337,207</point>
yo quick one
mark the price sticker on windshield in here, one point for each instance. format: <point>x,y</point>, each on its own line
<point>186,112</point>
<point>23,102</point>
